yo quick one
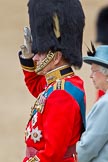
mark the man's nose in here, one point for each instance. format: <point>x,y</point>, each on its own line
<point>35,58</point>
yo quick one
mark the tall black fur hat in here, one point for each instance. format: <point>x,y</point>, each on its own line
<point>102,26</point>
<point>46,16</point>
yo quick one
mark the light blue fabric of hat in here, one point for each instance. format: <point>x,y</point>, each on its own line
<point>100,57</point>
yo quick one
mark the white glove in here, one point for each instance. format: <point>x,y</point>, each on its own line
<point>26,48</point>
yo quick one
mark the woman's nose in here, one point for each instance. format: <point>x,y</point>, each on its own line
<point>91,75</point>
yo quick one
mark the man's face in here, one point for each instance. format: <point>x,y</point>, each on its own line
<point>38,58</point>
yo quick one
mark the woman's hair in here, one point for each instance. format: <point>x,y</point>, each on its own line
<point>104,70</point>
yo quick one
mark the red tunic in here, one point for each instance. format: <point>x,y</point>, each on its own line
<point>35,83</point>
<point>59,126</point>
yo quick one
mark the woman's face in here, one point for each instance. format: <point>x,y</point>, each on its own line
<point>98,78</point>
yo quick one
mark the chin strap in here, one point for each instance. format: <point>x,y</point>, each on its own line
<point>46,61</point>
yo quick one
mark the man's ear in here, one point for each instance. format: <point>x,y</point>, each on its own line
<point>57,57</point>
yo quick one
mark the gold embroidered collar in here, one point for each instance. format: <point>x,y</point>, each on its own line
<point>59,73</point>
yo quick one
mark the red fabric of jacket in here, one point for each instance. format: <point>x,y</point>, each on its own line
<point>59,126</point>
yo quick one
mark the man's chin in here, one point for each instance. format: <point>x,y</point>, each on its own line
<point>42,72</point>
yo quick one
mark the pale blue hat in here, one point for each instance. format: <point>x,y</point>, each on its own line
<point>99,56</point>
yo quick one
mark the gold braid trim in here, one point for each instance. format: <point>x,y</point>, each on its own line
<point>34,159</point>
<point>59,85</point>
<point>56,25</point>
<point>55,74</point>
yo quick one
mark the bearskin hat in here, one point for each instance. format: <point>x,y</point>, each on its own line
<point>66,15</point>
<point>102,26</point>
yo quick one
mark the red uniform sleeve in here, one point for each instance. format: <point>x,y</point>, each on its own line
<point>62,125</point>
<point>35,83</point>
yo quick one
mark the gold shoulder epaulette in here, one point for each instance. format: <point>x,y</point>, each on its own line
<point>59,84</point>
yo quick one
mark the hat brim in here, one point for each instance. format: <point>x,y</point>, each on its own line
<point>95,60</point>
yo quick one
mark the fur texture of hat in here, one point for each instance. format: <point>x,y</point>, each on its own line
<point>102,26</point>
<point>71,24</point>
